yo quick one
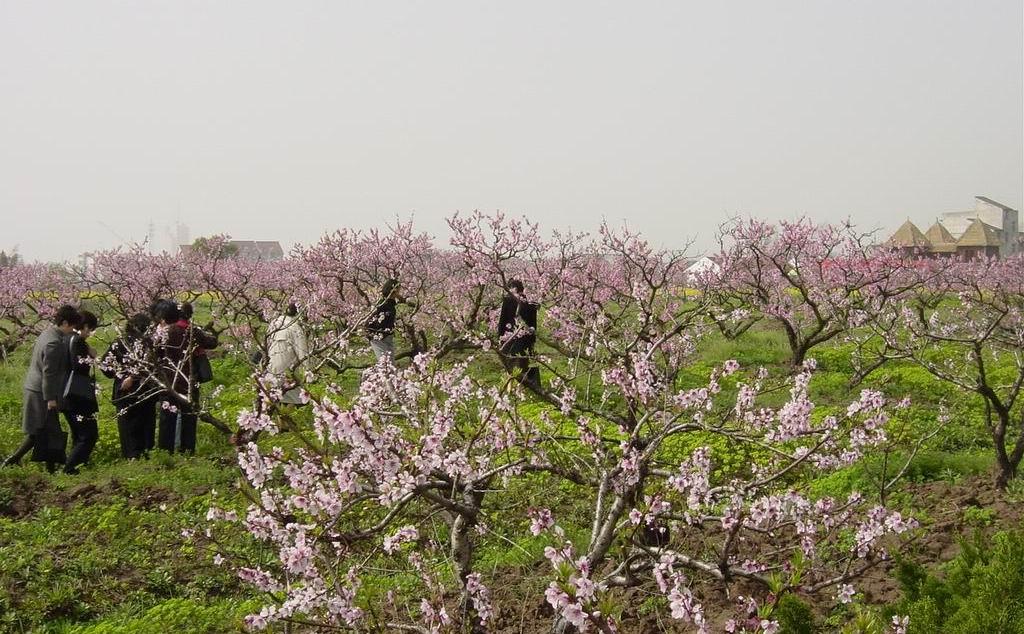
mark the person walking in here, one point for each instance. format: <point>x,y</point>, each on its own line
<point>128,361</point>
<point>288,349</point>
<point>517,333</point>
<point>80,405</point>
<point>43,392</point>
<point>176,345</point>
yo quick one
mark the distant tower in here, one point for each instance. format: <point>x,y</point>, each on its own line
<point>150,236</point>
<point>178,235</point>
<point>182,233</point>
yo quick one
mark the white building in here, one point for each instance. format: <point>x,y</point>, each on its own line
<point>993,214</point>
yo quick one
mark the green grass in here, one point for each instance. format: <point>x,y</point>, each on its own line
<point>102,551</point>
<point>106,543</point>
<point>172,615</point>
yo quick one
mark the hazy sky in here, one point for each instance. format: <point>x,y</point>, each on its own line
<point>283,120</point>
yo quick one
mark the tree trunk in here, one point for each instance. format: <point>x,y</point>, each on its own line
<point>462,555</point>
<point>1007,465</point>
<point>799,354</point>
<point>1007,471</point>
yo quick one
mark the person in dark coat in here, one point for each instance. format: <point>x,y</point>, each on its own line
<point>80,405</point>
<point>199,356</point>
<point>380,327</point>
<point>176,346</point>
<point>517,331</point>
<point>128,362</point>
<point>44,390</point>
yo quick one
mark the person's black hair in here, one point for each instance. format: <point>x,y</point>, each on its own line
<point>388,287</point>
<point>517,285</point>
<point>167,311</point>
<point>68,314</point>
<point>137,325</point>
<point>292,310</point>
<point>89,320</point>
<point>185,310</point>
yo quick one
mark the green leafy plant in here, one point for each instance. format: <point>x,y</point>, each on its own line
<point>794,616</point>
<point>983,589</point>
<point>976,516</point>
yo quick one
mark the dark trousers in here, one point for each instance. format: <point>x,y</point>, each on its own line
<point>170,422</point>
<point>84,434</point>
<point>136,427</point>
<point>148,430</point>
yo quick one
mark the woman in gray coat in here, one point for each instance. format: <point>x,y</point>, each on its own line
<point>44,389</point>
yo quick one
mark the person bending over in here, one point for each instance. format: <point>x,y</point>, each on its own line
<point>128,361</point>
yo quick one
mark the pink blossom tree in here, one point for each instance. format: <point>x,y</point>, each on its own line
<point>29,295</point>
<point>693,528</point>
<point>814,281</point>
<point>127,280</point>
<point>429,446</point>
<point>964,323</point>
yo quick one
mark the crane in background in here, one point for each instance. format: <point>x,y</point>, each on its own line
<point>113,232</point>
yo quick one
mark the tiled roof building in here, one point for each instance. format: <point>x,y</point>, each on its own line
<point>908,236</point>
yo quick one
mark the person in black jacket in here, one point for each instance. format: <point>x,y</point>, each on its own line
<point>128,361</point>
<point>517,332</point>
<point>380,327</point>
<point>202,371</point>
<point>80,405</point>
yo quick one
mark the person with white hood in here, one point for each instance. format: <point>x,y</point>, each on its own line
<point>287,349</point>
